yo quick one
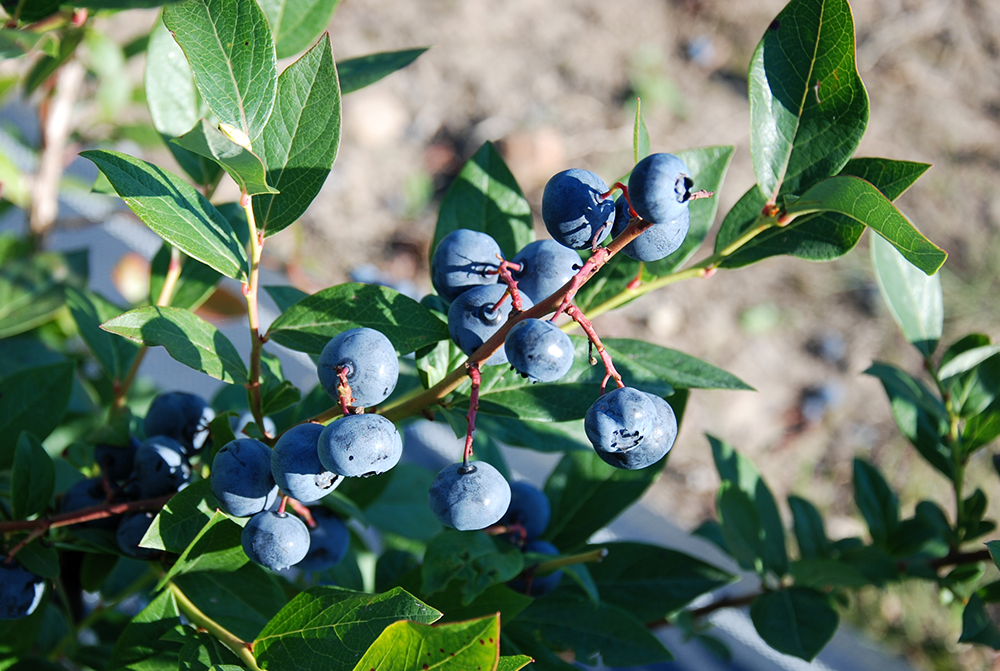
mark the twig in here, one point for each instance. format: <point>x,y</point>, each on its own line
<point>728,602</point>
<point>609,367</point>
<point>250,292</point>
<point>241,648</point>
<point>84,515</point>
<point>955,558</point>
<point>505,275</point>
<point>344,393</point>
<point>477,379</point>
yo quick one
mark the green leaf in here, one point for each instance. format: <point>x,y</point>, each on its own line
<point>43,560</point>
<point>225,598</point>
<point>140,645</point>
<point>402,507</point>
<point>216,548</point>
<point>586,494</point>
<point>540,402</point>
<point>48,64</point>
<point>174,102</point>
<point>640,135</point>
<point>825,574</point>
<point>737,469</point>
<point>540,436</point>
<point>195,284</point>
<point>816,237</point>
<point>471,558</point>
<point>434,362</point>
<point>860,200</point>
<point>740,525</point>
<point>285,296</point>
<point>568,620</point>
<point>245,167</point>
<point>183,516</point>
<point>978,626</point>
<point>796,621</point>
<point>357,73</point>
<point>809,531</point>
<point>679,370</point>
<point>808,106</point>
<point>332,627</point>
<point>34,400</point>
<point>174,210</point>
<point>967,359</point>
<point>877,503</point>
<point>650,582</point>
<point>485,197</point>
<point>32,477</point>
<point>203,652</point>
<point>89,311</point>
<point>296,23</point>
<point>277,393</point>
<point>301,139</point>
<point>308,325</point>
<point>919,414</point>
<point>976,390</point>
<point>188,338</point>
<point>32,289</point>
<point>514,662</point>
<point>449,647</point>
<point>915,300</point>
<point>230,49</point>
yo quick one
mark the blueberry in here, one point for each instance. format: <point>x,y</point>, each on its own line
<point>464,259</point>
<point>20,590</point>
<point>469,498</point>
<point>619,420</point>
<point>160,467</point>
<point>472,319</point>
<point>85,494</point>
<point>329,541</point>
<point>655,243</point>
<point>275,540</point>
<point>370,359</point>
<point>546,266</point>
<point>360,445</point>
<point>539,585</point>
<point>116,461</point>
<point>654,445</point>
<point>296,467</point>
<point>181,416</point>
<point>529,507</point>
<point>245,419</point>
<point>573,209</point>
<point>539,350</point>
<point>131,530</point>
<point>659,187</point>
<point>241,477</point>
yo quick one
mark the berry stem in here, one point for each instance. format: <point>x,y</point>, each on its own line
<point>588,328</point>
<point>241,648</point>
<point>84,515</point>
<point>302,511</point>
<point>284,502</point>
<point>502,529</point>
<point>591,557</point>
<point>624,189</point>
<point>477,379</point>
<point>508,279</point>
<point>250,291</point>
<point>35,533</point>
<point>344,393</point>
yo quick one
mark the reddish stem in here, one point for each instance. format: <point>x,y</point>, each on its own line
<point>284,502</point>
<point>477,379</point>
<point>637,280</point>
<point>84,515</point>
<point>303,512</point>
<point>628,201</point>
<point>35,533</point>
<point>698,195</point>
<point>501,529</point>
<point>588,328</point>
<point>508,279</point>
<point>344,391</point>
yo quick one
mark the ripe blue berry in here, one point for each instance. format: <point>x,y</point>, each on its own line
<point>464,259</point>
<point>275,540</point>
<point>659,187</point>
<point>653,447</point>
<point>370,359</point>
<point>619,420</point>
<point>574,212</point>
<point>472,319</point>
<point>469,498</point>
<point>539,350</point>
<point>241,477</point>
<point>20,590</point>
<point>546,266</point>
<point>329,541</point>
<point>116,461</point>
<point>160,467</point>
<point>296,467</point>
<point>131,530</point>
<point>181,416</point>
<point>656,242</point>
<point>529,507</point>
<point>360,445</point>
<point>540,585</point>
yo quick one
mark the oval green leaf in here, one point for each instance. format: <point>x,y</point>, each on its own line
<point>243,165</point>
<point>915,299</point>
<point>357,73</point>
<point>462,646</point>
<point>32,477</point>
<point>796,621</point>
<point>296,23</point>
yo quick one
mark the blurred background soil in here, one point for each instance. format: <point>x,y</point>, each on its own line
<point>554,83</point>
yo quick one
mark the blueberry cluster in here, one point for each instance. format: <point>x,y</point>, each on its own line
<point>526,519</point>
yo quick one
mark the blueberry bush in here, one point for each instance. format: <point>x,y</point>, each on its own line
<point>272,528</point>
